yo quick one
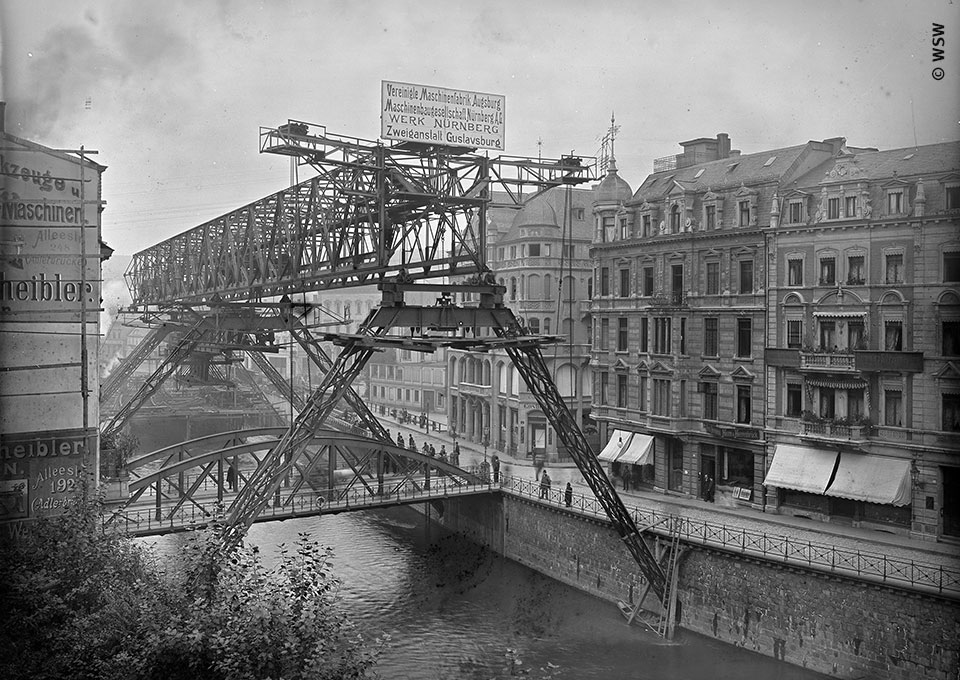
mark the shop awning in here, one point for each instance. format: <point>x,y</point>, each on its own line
<point>801,468</point>
<point>840,313</point>
<point>874,479</point>
<point>618,440</point>
<point>850,384</point>
<point>639,451</point>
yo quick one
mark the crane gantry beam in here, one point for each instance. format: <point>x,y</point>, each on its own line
<point>372,211</point>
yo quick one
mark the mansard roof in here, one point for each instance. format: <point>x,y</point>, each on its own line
<point>724,173</point>
<point>929,162</point>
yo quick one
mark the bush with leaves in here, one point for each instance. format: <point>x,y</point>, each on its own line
<point>78,600</point>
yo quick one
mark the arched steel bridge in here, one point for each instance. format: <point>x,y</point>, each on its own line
<point>189,485</point>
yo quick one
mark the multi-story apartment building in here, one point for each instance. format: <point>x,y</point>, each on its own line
<point>679,317</point>
<point>863,319</point>
<point>541,257</point>
<point>779,330</point>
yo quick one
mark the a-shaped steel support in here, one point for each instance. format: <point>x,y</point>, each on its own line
<point>171,362</point>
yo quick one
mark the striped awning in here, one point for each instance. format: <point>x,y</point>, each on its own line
<point>840,314</point>
<point>848,384</point>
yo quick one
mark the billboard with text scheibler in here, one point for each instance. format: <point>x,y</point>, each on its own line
<point>439,115</point>
<point>49,325</point>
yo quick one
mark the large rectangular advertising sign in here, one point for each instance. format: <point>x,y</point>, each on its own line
<point>49,331</point>
<point>437,115</point>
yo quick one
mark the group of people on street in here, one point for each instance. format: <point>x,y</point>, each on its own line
<point>486,467</point>
<point>545,483</point>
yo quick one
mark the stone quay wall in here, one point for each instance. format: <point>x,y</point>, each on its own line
<point>837,626</point>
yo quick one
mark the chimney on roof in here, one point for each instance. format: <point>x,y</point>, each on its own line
<point>703,150</point>
<point>836,144</point>
<point>723,145</point>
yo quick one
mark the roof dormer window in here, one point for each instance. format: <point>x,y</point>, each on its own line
<point>951,196</point>
<point>795,212</point>
<point>895,202</point>
<point>833,208</point>
<point>675,219</point>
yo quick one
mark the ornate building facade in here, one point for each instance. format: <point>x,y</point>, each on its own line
<point>679,319</point>
<point>780,330</point>
<point>863,321</point>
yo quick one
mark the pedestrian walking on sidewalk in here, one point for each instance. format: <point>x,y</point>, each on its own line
<point>496,468</point>
<point>568,495</point>
<point>544,485</point>
<point>456,453</point>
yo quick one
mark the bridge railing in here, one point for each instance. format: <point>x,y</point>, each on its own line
<point>145,520</point>
<point>789,551</point>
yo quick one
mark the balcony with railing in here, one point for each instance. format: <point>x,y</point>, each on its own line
<point>834,430</point>
<point>475,389</point>
<point>676,298</point>
<point>733,431</point>
<point>827,361</point>
<point>847,361</point>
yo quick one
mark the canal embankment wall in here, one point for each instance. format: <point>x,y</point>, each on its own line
<point>839,626</point>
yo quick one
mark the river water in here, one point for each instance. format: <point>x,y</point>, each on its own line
<point>453,610</point>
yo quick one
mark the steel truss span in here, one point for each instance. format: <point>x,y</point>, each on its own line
<point>371,211</point>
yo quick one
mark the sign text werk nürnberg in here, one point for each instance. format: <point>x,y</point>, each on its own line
<point>436,115</point>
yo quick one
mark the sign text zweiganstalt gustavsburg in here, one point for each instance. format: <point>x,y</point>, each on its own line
<point>437,115</point>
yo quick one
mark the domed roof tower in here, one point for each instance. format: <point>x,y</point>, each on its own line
<point>609,199</point>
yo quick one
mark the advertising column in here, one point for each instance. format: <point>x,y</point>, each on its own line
<point>49,327</point>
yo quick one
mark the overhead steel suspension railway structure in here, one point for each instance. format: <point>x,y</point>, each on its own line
<point>404,216</point>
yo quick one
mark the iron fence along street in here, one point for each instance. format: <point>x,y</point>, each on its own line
<point>864,565</point>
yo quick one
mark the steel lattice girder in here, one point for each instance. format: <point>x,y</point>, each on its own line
<point>266,479</point>
<point>187,344</point>
<point>372,211</point>
<point>320,359</point>
<point>128,366</point>
<point>533,369</point>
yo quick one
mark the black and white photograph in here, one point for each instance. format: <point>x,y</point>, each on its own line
<point>442,340</point>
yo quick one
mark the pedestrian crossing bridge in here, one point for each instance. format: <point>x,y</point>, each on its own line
<point>195,483</point>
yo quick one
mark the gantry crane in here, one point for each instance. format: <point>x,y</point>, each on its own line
<point>403,216</point>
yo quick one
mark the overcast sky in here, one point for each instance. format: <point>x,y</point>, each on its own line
<point>172,93</point>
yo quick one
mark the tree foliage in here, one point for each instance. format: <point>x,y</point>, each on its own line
<point>78,600</point>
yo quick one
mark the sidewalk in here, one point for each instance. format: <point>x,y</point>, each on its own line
<point>740,517</point>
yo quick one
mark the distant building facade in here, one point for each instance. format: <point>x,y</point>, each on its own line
<point>540,255</point>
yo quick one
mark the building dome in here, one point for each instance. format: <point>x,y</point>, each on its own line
<point>537,212</point>
<point>613,188</point>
